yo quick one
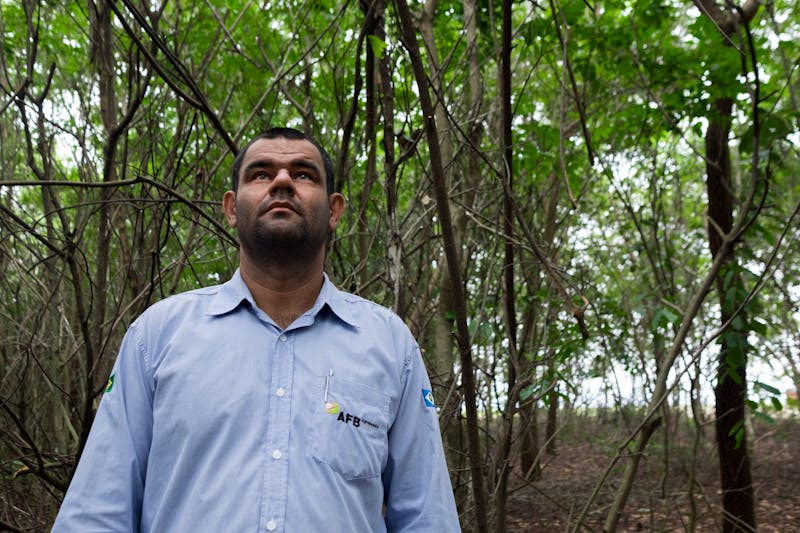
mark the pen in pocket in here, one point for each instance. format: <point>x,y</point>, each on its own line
<point>328,380</point>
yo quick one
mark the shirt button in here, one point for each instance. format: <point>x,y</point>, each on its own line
<point>283,338</point>
<point>280,391</point>
<point>276,454</point>
<point>271,525</point>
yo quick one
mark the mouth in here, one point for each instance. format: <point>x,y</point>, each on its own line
<point>281,206</point>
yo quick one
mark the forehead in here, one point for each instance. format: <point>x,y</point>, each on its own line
<point>282,151</point>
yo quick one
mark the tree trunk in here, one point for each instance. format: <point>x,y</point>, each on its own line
<point>552,410</point>
<point>509,308</point>
<point>453,428</point>
<point>529,453</point>
<point>452,254</point>
<point>730,392</point>
<point>738,500</point>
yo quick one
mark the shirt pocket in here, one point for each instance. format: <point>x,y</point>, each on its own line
<point>351,428</point>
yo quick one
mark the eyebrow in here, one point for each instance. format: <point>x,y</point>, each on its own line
<point>269,163</point>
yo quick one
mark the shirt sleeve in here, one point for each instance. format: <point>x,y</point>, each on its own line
<point>108,485</point>
<point>419,496</point>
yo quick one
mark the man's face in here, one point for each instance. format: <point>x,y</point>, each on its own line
<point>281,210</point>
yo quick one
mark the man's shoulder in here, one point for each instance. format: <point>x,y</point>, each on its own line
<point>365,313</point>
<point>358,303</point>
<point>189,302</point>
<point>189,297</point>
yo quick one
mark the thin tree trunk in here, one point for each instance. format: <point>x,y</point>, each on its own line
<point>738,499</point>
<point>552,408</point>
<point>370,139</point>
<point>509,293</point>
<point>409,40</point>
<point>529,452</point>
<point>730,392</point>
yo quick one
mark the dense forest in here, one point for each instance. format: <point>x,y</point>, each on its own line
<point>587,212</point>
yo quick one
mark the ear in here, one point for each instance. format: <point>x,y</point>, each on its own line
<point>336,205</point>
<point>229,206</point>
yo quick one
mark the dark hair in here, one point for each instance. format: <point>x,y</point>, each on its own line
<point>293,135</point>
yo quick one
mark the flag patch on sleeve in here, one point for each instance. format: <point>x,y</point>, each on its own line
<point>427,395</point>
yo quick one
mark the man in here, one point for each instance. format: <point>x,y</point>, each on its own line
<point>273,402</point>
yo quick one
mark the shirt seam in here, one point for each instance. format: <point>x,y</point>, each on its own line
<point>143,351</point>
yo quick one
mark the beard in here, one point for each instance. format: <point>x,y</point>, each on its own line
<point>280,240</point>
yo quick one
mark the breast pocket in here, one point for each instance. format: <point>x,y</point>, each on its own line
<point>351,428</point>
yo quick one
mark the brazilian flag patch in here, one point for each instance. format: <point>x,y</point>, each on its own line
<point>110,383</point>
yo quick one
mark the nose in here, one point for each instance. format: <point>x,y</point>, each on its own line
<point>282,182</point>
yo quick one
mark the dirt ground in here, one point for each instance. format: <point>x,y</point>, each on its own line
<point>658,502</point>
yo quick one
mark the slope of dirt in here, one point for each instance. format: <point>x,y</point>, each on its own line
<point>657,502</point>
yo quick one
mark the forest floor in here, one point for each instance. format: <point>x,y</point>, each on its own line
<point>657,502</point>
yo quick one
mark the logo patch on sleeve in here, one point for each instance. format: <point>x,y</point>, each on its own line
<point>427,395</point>
<point>110,383</point>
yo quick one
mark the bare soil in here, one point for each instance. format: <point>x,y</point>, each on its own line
<point>660,499</point>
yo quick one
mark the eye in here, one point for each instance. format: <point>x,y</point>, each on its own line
<point>261,175</point>
<point>303,176</point>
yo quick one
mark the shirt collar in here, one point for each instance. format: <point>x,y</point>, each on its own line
<point>229,295</point>
<point>233,292</point>
<point>336,300</point>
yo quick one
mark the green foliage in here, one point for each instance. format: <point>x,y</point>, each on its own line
<point>738,433</point>
<point>772,128</point>
<point>623,238</point>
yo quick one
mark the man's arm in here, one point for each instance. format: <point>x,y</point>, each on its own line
<point>419,496</point>
<point>106,491</point>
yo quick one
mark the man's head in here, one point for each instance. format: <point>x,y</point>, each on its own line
<point>290,134</point>
<point>283,206</point>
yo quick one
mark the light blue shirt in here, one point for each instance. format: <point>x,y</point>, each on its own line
<point>217,420</point>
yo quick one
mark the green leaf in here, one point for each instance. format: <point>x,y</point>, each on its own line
<point>773,127</point>
<point>758,327</point>
<point>737,432</point>
<point>378,45</point>
<point>730,371</point>
<point>733,339</point>
<point>526,392</point>
<point>572,9</point>
<point>776,404</point>
<point>769,388</point>
<point>764,417</point>
<point>726,282</point>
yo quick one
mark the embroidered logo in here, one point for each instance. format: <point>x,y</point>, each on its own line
<point>332,408</point>
<point>355,421</point>
<point>427,395</point>
<point>110,382</point>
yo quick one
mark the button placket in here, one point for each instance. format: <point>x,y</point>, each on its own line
<point>277,438</point>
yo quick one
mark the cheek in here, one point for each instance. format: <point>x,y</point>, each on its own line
<point>323,213</point>
<point>241,210</point>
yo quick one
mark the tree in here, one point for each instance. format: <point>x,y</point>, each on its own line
<point>731,390</point>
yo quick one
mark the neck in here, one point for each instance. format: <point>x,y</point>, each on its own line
<point>286,292</point>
